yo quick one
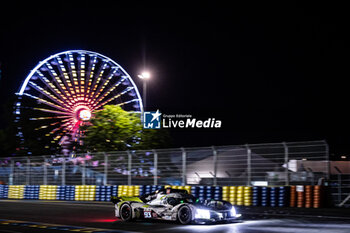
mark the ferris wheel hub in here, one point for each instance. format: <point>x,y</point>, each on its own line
<point>84,114</point>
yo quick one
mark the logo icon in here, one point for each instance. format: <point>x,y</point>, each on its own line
<point>151,120</point>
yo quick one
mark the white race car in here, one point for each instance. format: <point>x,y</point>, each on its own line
<point>174,205</point>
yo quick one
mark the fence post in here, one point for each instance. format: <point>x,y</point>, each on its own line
<point>184,157</point>
<point>28,171</point>
<point>155,173</point>
<point>83,172</point>
<point>249,165</point>
<point>12,168</point>
<point>286,162</point>
<point>129,167</point>
<point>105,176</point>
<point>63,181</point>
<point>215,158</point>
<point>328,163</point>
<point>45,171</point>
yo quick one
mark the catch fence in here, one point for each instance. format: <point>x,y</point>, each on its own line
<point>274,164</point>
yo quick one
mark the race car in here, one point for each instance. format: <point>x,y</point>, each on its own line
<point>174,205</point>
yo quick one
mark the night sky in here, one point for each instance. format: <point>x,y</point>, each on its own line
<point>271,72</point>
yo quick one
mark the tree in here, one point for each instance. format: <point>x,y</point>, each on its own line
<point>112,129</point>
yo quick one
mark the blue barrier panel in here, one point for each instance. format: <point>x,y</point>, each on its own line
<point>31,192</point>
<point>265,196</point>
<point>4,189</point>
<point>256,192</point>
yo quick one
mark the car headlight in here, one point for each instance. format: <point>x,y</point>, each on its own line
<point>233,211</point>
<point>202,213</point>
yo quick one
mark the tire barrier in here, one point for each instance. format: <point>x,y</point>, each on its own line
<point>283,196</point>
<point>300,196</point>
<point>128,190</point>
<point>209,193</point>
<point>16,191</point>
<point>47,192</point>
<point>85,192</point>
<point>293,196</point>
<point>217,192</point>
<point>66,193</point>
<point>4,190</point>
<point>317,196</point>
<point>247,197</point>
<point>256,196</point>
<point>233,195</point>
<point>239,195</point>
<point>308,196</point>
<point>31,192</point>
<point>194,191</point>
<point>274,193</point>
<point>201,193</point>
<point>265,196</point>
<point>104,193</point>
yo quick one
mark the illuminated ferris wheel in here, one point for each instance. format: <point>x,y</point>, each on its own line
<point>61,93</point>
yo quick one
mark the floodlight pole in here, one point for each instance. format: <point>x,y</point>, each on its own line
<point>144,93</point>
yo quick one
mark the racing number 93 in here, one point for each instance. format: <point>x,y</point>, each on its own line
<point>147,214</point>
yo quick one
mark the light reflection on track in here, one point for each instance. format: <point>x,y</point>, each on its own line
<point>97,215</point>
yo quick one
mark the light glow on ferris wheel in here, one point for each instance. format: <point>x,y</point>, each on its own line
<point>61,92</point>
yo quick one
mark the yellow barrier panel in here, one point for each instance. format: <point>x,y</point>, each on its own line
<point>247,196</point>
<point>233,195</point>
<point>128,190</point>
<point>16,191</point>
<point>48,192</point>
<point>240,196</point>
<point>225,193</point>
<point>85,192</point>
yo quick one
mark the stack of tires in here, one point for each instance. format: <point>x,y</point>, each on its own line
<point>16,191</point>
<point>265,196</point>
<point>69,193</point>
<point>247,201</point>
<point>146,189</point>
<point>201,193</point>
<point>4,189</point>
<point>300,196</point>
<point>194,191</point>
<point>283,196</point>
<point>273,196</point>
<point>256,196</point>
<point>233,195</point>
<point>293,196</point>
<point>308,196</point>
<point>129,190</point>
<point>225,193</point>
<point>103,193</point>
<point>209,192</point>
<point>317,196</point>
<point>217,193</point>
<point>61,192</point>
<point>47,192</point>
<point>156,187</point>
<point>240,195</point>
<point>31,192</point>
<point>85,192</point>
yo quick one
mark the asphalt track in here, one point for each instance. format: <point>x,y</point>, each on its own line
<point>56,216</point>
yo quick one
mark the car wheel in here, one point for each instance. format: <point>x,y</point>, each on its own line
<point>184,214</point>
<point>125,212</point>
